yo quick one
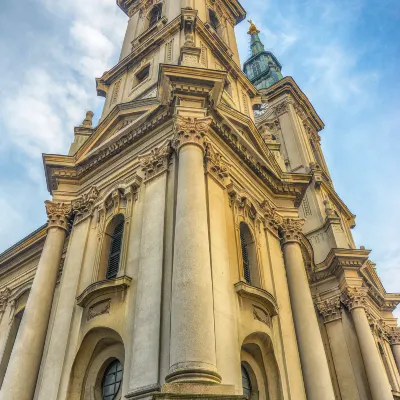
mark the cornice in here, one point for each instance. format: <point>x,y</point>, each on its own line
<point>289,87</point>
<point>28,242</point>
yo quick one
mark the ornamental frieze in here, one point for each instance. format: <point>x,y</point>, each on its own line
<point>59,215</point>
<point>190,131</point>
<point>355,297</point>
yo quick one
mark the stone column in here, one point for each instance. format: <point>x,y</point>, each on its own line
<point>330,310</point>
<point>316,374</point>
<point>395,343</point>
<point>145,368</point>
<point>356,301</point>
<point>23,368</point>
<point>193,356</point>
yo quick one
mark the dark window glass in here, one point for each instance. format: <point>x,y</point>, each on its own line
<point>214,22</point>
<point>155,15</point>
<point>143,74</point>
<point>246,384</point>
<point>115,251</point>
<point>245,257</point>
<point>112,380</point>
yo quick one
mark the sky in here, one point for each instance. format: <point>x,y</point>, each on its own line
<point>344,55</point>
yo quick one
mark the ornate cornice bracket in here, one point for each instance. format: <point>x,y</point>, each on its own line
<point>291,230</point>
<point>330,309</point>
<point>190,131</point>
<point>355,297</point>
<point>59,215</point>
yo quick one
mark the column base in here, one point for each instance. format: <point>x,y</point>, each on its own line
<point>198,389</point>
<point>193,372</point>
<point>196,396</point>
<point>144,392</point>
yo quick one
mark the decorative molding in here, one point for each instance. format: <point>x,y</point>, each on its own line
<point>291,230</point>
<point>261,315</point>
<point>394,336</point>
<point>215,163</point>
<point>191,131</point>
<point>355,297</point>
<point>281,108</point>
<point>4,297</point>
<point>82,207</point>
<point>100,308</point>
<point>272,219</point>
<point>156,161</point>
<point>59,215</point>
<point>330,309</point>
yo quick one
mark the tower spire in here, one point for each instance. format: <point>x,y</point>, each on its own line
<point>262,68</point>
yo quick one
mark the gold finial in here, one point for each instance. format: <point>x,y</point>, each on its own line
<point>253,29</point>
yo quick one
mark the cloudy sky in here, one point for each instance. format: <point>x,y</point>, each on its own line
<point>344,54</point>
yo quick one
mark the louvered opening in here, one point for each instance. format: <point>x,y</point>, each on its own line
<point>155,15</point>
<point>245,257</point>
<point>115,251</point>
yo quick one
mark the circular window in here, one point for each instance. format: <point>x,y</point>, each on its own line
<point>112,380</point>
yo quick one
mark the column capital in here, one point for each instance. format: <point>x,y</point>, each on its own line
<point>394,336</point>
<point>291,230</point>
<point>330,309</point>
<point>355,297</point>
<point>215,163</point>
<point>58,214</point>
<point>191,131</point>
<point>83,205</point>
<point>4,297</point>
<point>156,161</point>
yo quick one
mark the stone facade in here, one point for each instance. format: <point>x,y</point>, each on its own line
<point>194,248</point>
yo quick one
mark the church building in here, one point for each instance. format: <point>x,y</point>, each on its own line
<point>195,247</point>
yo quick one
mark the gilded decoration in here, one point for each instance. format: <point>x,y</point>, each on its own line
<point>291,230</point>
<point>191,131</point>
<point>4,297</point>
<point>253,29</point>
<point>355,297</point>
<point>330,309</point>
<point>156,161</point>
<point>215,163</point>
<point>59,215</point>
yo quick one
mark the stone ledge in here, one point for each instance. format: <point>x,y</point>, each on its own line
<point>256,294</point>
<point>103,287</point>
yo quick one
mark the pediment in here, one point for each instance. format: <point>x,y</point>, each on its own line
<point>123,118</point>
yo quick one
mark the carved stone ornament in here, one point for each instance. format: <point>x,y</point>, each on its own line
<point>291,230</point>
<point>191,131</point>
<point>394,336</point>
<point>281,108</point>
<point>4,296</point>
<point>355,297</point>
<point>215,163</point>
<point>100,308</point>
<point>261,315</point>
<point>59,215</point>
<point>156,161</point>
<point>83,205</point>
<point>330,309</point>
<point>272,219</point>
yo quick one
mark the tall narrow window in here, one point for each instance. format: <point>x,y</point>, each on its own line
<point>115,250</point>
<point>155,15</point>
<point>249,256</point>
<point>246,383</point>
<point>214,22</point>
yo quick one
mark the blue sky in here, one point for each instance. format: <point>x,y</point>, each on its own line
<point>345,55</point>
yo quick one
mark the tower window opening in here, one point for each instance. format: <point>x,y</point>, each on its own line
<point>141,76</point>
<point>115,251</point>
<point>112,379</point>
<point>155,15</point>
<point>246,383</point>
<point>214,21</point>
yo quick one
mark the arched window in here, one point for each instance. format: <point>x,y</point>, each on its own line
<point>112,379</point>
<point>155,15</point>
<point>246,383</point>
<point>115,248</point>
<point>249,256</point>
<point>214,21</point>
<point>256,69</point>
